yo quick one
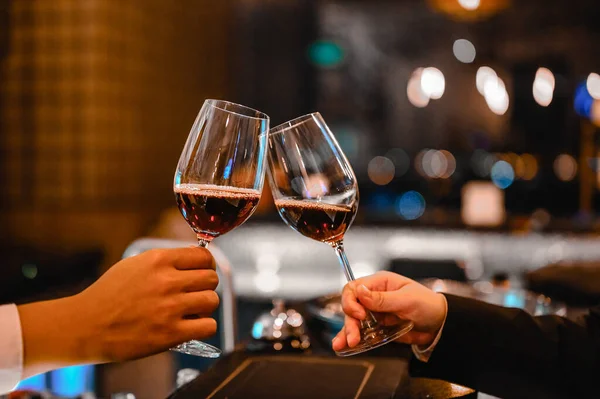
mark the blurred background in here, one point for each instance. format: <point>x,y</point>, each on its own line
<point>472,126</point>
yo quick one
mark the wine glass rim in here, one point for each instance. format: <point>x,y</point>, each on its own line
<point>294,122</point>
<point>217,104</point>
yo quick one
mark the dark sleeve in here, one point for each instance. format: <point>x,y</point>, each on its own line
<point>508,353</point>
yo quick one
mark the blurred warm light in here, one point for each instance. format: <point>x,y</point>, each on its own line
<point>419,162</point>
<point>450,162</point>
<point>469,4</point>
<point>469,10</point>
<point>464,51</point>
<point>411,205</point>
<point>543,86</point>
<point>530,164</point>
<point>433,83</point>
<point>565,167</point>
<point>482,204</point>
<point>495,95</point>
<point>512,158</point>
<point>439,164</point>
<point>415,93</point>
<point>595,113</point>
<point>427,163</point>
<point>483,74</point>
<point>593,85</point>
<point>519,167</point>
<point>502,174</point>
<point>597,171</point>
<point>381,170</point>
<point>400,159</point>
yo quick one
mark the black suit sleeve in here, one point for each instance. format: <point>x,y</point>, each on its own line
<point>508,353</point>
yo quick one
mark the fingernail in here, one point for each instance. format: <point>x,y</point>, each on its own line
<point>364,290</point>
<point>333,340</point>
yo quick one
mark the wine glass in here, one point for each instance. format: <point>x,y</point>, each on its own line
<point>316,194</point>
<point>220,176</point>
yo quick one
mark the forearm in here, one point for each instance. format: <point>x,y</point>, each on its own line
<point>55,334</point>
<point>497,350</point>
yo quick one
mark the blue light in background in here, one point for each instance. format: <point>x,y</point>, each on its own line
<point>411,205</point>
<point>502,174</point>
<point>227,172</point>
<point>257,330</point>
<point>325,54</point>
<point>35,383</point>
<point>512,300</point>
<point>583,101</point>
<point>72,381</point>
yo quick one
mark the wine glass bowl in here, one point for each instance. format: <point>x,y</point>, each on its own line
<point>316,193</point>
<point>220,176</point>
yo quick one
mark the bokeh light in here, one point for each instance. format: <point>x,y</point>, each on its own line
<point>419,162</point>
<point>565,167</point>
<point>595,113</point>
<point>531,166</point>
<point>381,170</point>
<point>451,164</point>
<point>494,92</point>
<point>469,4</point>
<point>593,85</point>
<point>414,92</point>
<point>583,101</point>
<point>483,74</point>
<point>464,51</point>
<point>482,204</point>
<point>543,86</point>
<point>502,174</point>
<point>29,270</point>
<point>433,83</point>
<point>427,163</point>
<point>411,205</point>
<point>325,54</point>
<point>439,164</point>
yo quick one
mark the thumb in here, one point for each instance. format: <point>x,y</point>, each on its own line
<point>378,301</point>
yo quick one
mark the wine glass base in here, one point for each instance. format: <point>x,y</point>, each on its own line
<point>376,337</point>
<point>198,348</point>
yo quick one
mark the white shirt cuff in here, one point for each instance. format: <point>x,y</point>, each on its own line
<point>424,354</point>
<point>11,348</point>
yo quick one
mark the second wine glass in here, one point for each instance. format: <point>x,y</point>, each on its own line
<point>316,194</point>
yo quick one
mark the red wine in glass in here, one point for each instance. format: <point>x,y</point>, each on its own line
<point>317,220</point>
<point>215,210</point>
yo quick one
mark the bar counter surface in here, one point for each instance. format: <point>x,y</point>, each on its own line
<point>244,374</point>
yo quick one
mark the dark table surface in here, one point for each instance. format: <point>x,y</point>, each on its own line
<point>257,370</point>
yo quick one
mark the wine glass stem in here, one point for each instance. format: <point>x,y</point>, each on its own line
<point>202,242</point>
<point>338,247</point>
